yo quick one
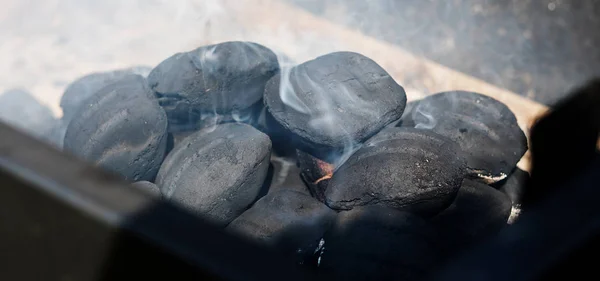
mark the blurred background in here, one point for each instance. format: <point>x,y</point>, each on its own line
<point>538,49</point>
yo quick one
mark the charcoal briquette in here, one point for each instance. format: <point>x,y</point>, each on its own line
<point>20,109</point>
<point>379,243</point>
<point>286,220</point>
<point>477,212</point>
<point>224,79</point>
<point>403,168</point>
<point>121,128</point>
<point>486,130</point>
<point>334,101</point>
<point>85,87</point>
<point>217,173</point>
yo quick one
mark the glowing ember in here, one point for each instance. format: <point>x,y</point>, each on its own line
<point>325,177</point>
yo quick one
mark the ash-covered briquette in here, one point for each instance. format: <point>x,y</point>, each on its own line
<point>379,243</point>
<point>225,79</point>
<point>85,87</point>
<point>485,129</point>
<point>20,109</point>
<point>404,168</point>
<point>122,129</point>
<point>147,187</point>
<point>477,212</point>
<point>334,101</point>
<point>288,221</point>
<point>217,173</point>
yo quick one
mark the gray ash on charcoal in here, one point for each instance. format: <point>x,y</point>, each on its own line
<point>222,83</point>
<point>288,221</point>
<point>148,187</point>
<point>379,243</point>
<point>403,168</point>
<point>334,101</point>
<point>217,173</point>
<point>485,129</point>
<point>85,87</point>
<point>122,129</point>
<point>20,109</point>
<point>478,212</point>
<point>315,173</point>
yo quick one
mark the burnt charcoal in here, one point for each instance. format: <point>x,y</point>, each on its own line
<point>514,188</point>
<point>85,87</point>
<point>485,129</point>
<point>379,243</point>
<point>477,212</point>
<point>286,175</point>
<point>404,168</point>
<point>21,110</point>
<point>217,173</point>
<point>334,101</point>
<point>286,220</point>
<point>224,79</point>
<point>147,187</point>
<point>122,129</point>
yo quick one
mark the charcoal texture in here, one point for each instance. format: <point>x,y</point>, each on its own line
<point>404,168</point>
<point>477,212</point>
<point>286,220</point>
<point>334,101</point>
<point>485,129</point>
<point>379,243</point>
<point>85,87</point>
<point>223,79</point>
<point>514,186</point>
<point>147,187</point>
<point>217,173</point>
<point>122,129</point>
<point>21,110</point>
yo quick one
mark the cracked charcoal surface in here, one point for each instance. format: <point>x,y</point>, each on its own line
<point>85,87</point>
<point>226,78</point>
<point>477,212</point>
<point>404,168</point>
<point>122,129</point>
<point>217,173</point>
<point>333,101</point>
<point>287,220</point>
<point>484,128</point>
<point>21,110</point>
<point>148,187</point>
<point>379,243</point>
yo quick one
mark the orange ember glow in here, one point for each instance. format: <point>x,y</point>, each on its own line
<point>325,169</point>
<point>325,177</point>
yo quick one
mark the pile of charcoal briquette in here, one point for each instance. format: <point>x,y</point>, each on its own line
<point>323,161</point>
